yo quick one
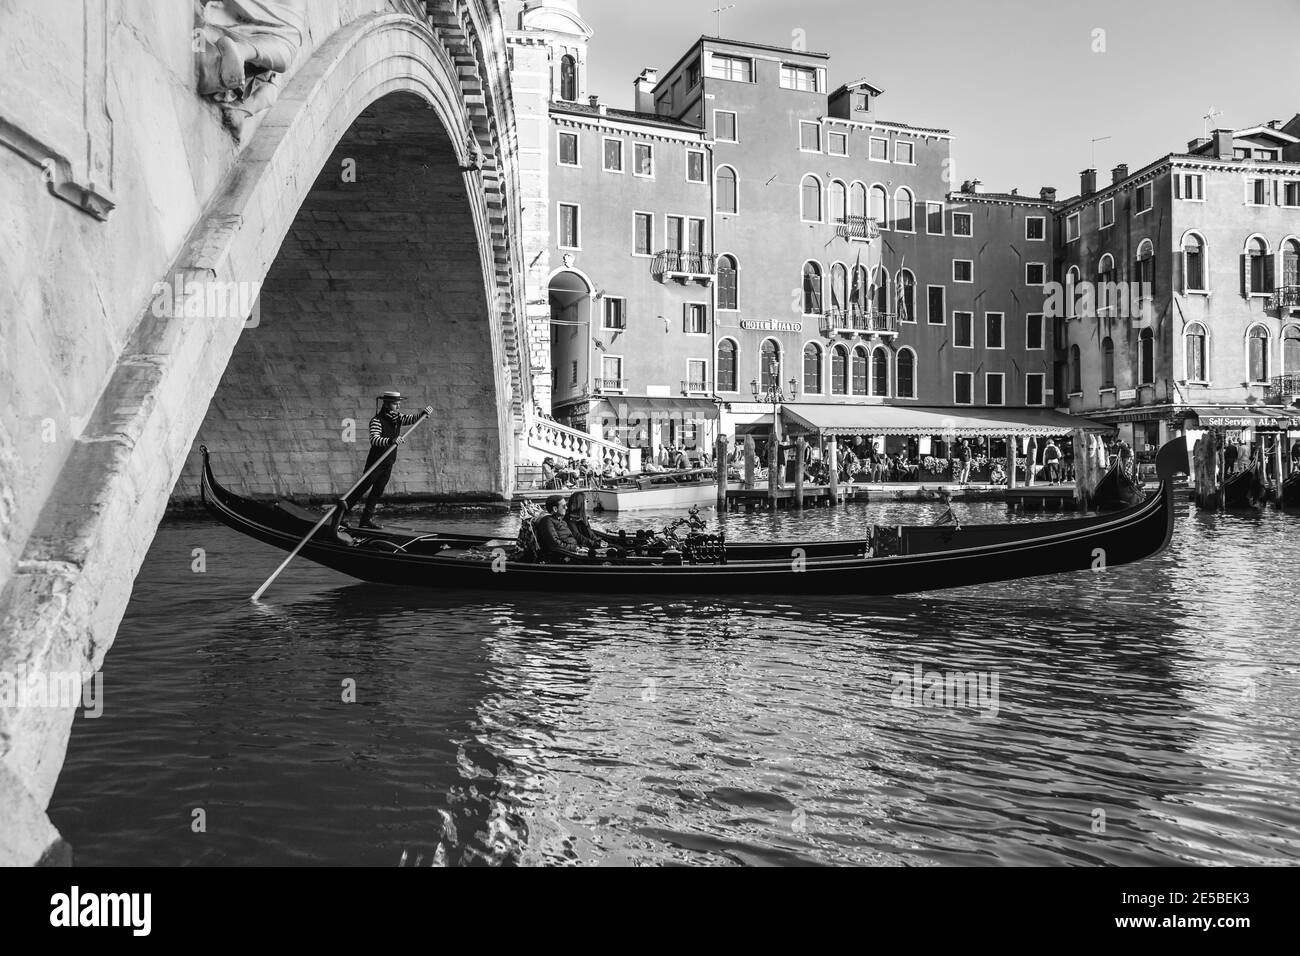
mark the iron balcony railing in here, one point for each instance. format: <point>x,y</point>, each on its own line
<point>1285,297</point>
<point>857,227</point>
<point>669,263</point>
<point>1283,385</point>
<point>858,320</point>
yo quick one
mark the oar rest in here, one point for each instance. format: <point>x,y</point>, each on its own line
<point>702,548</point>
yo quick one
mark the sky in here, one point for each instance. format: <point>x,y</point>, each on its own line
<point>1024,85</point>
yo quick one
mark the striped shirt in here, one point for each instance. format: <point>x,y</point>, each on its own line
<point>386,426</point>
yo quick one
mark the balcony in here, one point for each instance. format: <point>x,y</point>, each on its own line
<point>684,266</point>
<point>862,228</point>
<point>1285,297</point>
<point>858,322</point>
<point>1283,389</point>
<point>602,386</point>
<point>695,388</point>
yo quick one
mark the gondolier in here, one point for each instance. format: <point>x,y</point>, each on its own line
<point>385,432</point>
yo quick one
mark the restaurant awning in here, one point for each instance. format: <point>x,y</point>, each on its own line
<point>932,420</point>
<point>641,406</point>
<point>1221,416</point>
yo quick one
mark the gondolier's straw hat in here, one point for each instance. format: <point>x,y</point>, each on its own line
<point>385,397</point>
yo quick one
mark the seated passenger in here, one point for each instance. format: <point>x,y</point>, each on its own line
<point>554,539</point>
<point>579,526</point>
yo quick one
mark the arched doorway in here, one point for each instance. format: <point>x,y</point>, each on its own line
<point>572,381</point>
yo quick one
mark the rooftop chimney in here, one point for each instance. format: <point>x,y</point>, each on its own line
<point>1195,144</point>
<point>971,186</point>
<point>1119,172</point>
<point>1274,124</point>
<point>1048,193</point>
<point>1087,182</point>
<point>1222,144</point>
<point>644,85</point>
<point>594,100</point>
<point>1015,190</point>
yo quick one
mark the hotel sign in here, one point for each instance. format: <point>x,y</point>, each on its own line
<point>770,325</point>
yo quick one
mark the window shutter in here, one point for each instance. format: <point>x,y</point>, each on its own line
<point>1268,274</point>
<point>1245,275</point>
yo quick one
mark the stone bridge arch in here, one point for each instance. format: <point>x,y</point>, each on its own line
<point>435,72</point>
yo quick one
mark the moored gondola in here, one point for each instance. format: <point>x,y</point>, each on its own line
<point>1245,489</point>
<point>897,559</point>
<point>1117,489</point>
<point>1291,491</point>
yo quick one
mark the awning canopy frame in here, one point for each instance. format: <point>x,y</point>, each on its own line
<point>871,420</point>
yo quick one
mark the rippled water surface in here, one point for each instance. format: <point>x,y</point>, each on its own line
<point>1142,715</point>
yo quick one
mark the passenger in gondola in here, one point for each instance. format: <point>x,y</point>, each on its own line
<point>576,519</point>
<point>385,432</point>
<point>554,538</point>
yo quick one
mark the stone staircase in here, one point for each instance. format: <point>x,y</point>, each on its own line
<point>543,438</point>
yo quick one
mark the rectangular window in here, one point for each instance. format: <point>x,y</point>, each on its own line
<point>934,218</point>
<point>904,151</point>
<point>1291,194</point>
<point>879,149</point>
<point>674,233</point>
<point>961,224</point>
<point>1145,197</point>
<point>1035,273</point>
<point>1034,331</point>
<point>1034,384</point>
<point>810,137</point>
<point>1256,192</point>
<point>1072,227</point>
<point>963,270</point>
<point>994,393</point>
<point>693,74</point>
<point>993,330</point>
<point>837,144</point>
<point>724,126</point>
<point>961,388</point>
<point>613,155</point>
<point>1190,186</point>
<point>643,229</point>
<point>696,319</point>
<point>736,68</point>
<point>695,235</point>
<point>573,372</point>
<point>934,305</point>
<point>963,330</point>
<point>643,159</point>
<point>611,371</point>
<point>1107,213</point>
<point>1035,227</point>
<point>697,375</point>
<point>615,313</point>
<point>799,78</point>
<point>570,236</point>
<point>1267,155</point>
<point>568,149</point>
<point>695,166</point>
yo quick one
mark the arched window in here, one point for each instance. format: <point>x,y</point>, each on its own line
<point>1193,263</point>
<point>857,200</point>
<point>1076,372</point>
<point>1257,353</point>
<point>904,205</point>
<point>812,289</point>
<point>905,378</point>
<point>1291,350</point>
<point>839,370</point>
<point>568,78</point>
<point>812,369</point>
<point>1106,283</point>
<point>1144,271</point>
<point>839,289</point>
<point>728,288</point>
<point>839,200</point>
<point>727,371</point>
<point>1291,263</point>
<point>810,209</point>
<point>769,361</point>
<point>1107,363</point>
<point>880,206</point>
<point>859,371</point>
<point>858,292</point>
<point>1146,357</point>
<point>906,296</point>
<point>1259,266</point>
<point>1196,353</point>
<point>1072,292</point>
<point>880,371</point>
<point>728,199</point>
<point>880,290</point>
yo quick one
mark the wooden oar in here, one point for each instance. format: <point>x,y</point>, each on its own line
<point>329,514</point>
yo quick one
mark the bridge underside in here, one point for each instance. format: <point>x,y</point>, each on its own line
<point>378,284</point>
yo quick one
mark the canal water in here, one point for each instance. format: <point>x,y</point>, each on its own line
<point>1140,715</point>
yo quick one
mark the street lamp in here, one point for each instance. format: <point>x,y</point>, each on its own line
<point>771,393</point>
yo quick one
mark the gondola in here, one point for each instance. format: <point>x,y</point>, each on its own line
<point>1245,489</point>
<point>1291,491</point>
<point>1117,489</point>
<point>896,560</point>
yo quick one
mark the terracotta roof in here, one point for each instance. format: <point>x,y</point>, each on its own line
<point>631,116</point>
